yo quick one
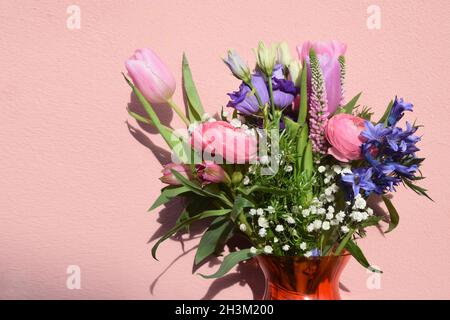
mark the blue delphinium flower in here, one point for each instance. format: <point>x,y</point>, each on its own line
<point>315,252</point>
<point>397,111</point>
<point>245,100</point>
<point>390,151</point>
<point>360,178</point>
<point>374,132</point>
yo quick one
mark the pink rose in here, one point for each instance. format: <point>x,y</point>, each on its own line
<point>169,178</point>
<point>151,76</point>
<point>221,142</point>
<point>343,132</point>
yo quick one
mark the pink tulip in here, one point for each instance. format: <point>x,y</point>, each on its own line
<point>169,178</point>
<point>343,132</point>
<point>210,172</point>
<point>220,139</point>
<point>151,76</point>
<point>328,54</point>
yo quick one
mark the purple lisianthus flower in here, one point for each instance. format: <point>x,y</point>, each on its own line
<point>284,91</point>
<point>245,100</point>
<point>360,178</point>
<point>397,111</point>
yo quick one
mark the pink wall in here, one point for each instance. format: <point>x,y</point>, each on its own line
<point>75,184</point>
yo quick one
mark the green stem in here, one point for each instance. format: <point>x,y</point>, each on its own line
<point>256,93</point>
<point>344,242</point>
<point>303,95</point>
<point>272,104</point>
<point>174,106</point>
<point>249,229</point>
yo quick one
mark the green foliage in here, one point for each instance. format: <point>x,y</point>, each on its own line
<point>348,108</point>
<point>230,261</point>
<point>163,130</point>
<point>167,194</point>
<point>356,252</point>
<point>393,214</point>
<point>304,95</point>
<point>179,226</point>
<point>214,239</point>
<point>194,105</point>
<point>386,114</point>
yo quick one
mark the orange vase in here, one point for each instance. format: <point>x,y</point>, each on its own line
<point>300,278</point>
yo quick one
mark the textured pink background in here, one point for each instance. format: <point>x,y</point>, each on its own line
<point>75,184</point>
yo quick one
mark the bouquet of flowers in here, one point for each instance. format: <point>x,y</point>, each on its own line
<point>292,167</point>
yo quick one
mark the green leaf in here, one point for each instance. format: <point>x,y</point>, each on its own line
<point>301,146</point>
<point>292,128</point>
<point>194,105</point>
<point>230,261</point>
<point>165,132</point>
<point>168,194</point>
<point>348,108</point>
<point>344,242</point>
<point>214,238</point>
<point>239,204</point>
<point>386,114</point>
<point>356,252</point>
<point>371,221</point>
<point>195,187</point>
<point>417,189</point>
<point>304,94</point>
<point>139,118</point>
<point>263,189</point>
<point>393,214</point>
<point>171,232</point>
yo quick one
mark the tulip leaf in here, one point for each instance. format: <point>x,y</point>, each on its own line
<point>394,218</point>
<point>303,94</point>
<point>165,132</point>
<point>230,261</point>
<point>356,252</point>
<point>213,240</point>
<point>171,232</point>
<point>301,145</point>
<point>168,194</point>
<point>386,114</point>
<point>139,118</point>
<point>348,108</point>
<point>194,105</point>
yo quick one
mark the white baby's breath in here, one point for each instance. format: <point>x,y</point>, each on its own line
<point>268,249</point>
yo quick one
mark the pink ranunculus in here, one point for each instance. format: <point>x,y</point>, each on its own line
<point>328,54</point>
<point>151,76</point>
<point>169,178</point>
<point>343,132</point>
<point>210,172</point>
<point>220,141</point>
